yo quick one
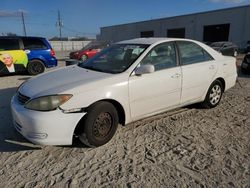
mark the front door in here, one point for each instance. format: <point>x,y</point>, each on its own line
<point>157,91</point>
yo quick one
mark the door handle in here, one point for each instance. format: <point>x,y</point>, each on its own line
<point>27,51</point>
<point>176,75</point>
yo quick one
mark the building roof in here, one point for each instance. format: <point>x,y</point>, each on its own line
<point>191,14</point>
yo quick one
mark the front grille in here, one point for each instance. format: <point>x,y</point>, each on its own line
<point>18,127</point>
<point>22,99</point>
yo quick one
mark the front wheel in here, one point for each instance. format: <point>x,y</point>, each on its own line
<point>214,95</point>
<point>100,124</point>
<point>235,53</point>
<point>35,67</point>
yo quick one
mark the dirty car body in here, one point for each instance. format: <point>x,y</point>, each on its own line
<point>126,82</point>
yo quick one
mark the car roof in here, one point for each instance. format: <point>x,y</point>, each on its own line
<point>17,37</point>
<point>148,40</point>
<point>222,42</point>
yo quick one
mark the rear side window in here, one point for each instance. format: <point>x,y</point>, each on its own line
<point>191,53</point>
<point>9,44</point>
<point>34,44</point>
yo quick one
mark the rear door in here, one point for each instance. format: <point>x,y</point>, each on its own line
<point>198,70</point>
<point>35,48</point>
<point>12,59</point>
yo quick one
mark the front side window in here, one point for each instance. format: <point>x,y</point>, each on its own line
<point>33,44</point>
<point>9,44</point>
<point>192,53</point>
<point>162,56</point>
<point>115,59</point>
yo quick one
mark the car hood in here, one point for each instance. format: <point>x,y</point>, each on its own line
<point>64,80</point>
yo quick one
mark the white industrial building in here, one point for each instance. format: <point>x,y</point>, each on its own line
<point>231,24</point>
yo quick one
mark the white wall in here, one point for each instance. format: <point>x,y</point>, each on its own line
<point>68,45</point>
<point>238,18</point>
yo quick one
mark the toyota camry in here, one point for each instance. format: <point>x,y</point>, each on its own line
<point>125,82</point>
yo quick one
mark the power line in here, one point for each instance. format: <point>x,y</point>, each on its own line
<point>78,32</point>
<point>15,17</point>
<point>18,14</point>
<point>9,14</point>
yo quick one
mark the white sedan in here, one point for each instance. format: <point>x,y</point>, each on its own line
<point>126,82</point>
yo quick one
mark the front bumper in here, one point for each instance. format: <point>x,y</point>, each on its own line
<point>73,56</point>
<point>44,128</point>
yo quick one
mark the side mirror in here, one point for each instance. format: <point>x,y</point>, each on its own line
<point>144,69</point>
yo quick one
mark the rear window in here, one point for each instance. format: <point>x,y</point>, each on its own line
<point>34,44</point>
<point>192,53</point>
<point>9,44</point>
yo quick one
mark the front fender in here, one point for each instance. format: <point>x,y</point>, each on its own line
<point>118,93</point>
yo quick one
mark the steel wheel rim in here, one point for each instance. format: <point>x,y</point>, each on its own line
<point>37,67</point>
<point>84,57</point>
<point>102,125</point>
<point>235,53</point>
<point>215,95</point>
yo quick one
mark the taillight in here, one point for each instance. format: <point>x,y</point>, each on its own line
<point>52,52</point>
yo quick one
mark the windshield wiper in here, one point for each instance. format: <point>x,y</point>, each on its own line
<point>93,68</point>
<point>98,70</point>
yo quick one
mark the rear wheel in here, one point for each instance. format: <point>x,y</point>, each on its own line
<point>35,67</point>
<point>100,124</point>
<point>214,95</point>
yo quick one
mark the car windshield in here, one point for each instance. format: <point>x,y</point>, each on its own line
<point>115,59</point>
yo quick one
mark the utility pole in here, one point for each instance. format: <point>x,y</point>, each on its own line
<point>60,24</point>
<point>24,28</point>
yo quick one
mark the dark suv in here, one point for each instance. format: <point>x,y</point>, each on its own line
<point>245,65</point>
<point>33,54</point>
<point>248,47</point>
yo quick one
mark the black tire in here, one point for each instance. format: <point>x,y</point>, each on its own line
<point>100,124</point>
<point>84,57</point>
<point>214,95</point>
<point>244,71</point>
<point>35,67</point>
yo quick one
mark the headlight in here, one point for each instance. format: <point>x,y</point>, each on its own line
<point>47,103</point>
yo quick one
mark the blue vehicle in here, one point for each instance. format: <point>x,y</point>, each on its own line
<point>39,52</point>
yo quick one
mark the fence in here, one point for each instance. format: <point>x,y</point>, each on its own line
<point>68,45</point>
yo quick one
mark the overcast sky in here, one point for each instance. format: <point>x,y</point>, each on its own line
<point>84,18</point>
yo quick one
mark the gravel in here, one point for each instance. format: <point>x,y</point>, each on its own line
<point>186,147</point>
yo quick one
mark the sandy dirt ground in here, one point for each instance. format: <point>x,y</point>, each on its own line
<point>186,147</point>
